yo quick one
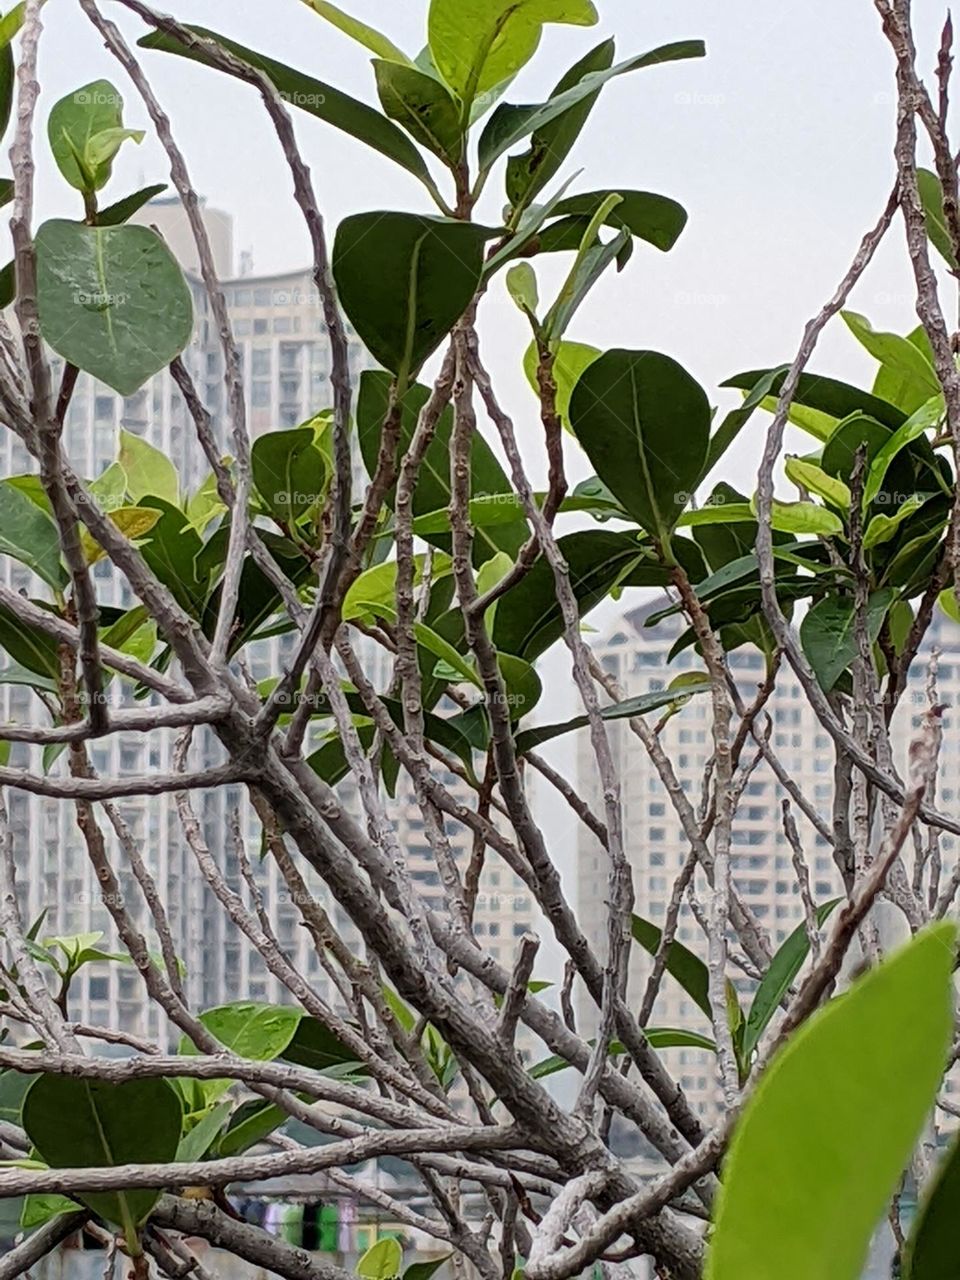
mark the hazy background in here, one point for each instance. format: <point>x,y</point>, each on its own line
<point>779,144</point>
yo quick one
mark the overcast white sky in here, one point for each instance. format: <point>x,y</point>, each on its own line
<point>779,144</point>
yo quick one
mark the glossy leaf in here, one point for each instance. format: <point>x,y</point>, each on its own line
<point>832,399</point>
<point>807,475</point>
<point>550,145</point>
<point>653,218</point>
<point>404,281</point>
<point>928,415</point>
<point>916,376</point>
<point>382,1261</point>
<point>644,423</point>
<point>423,106</point>
<point>290,473</point>
<point>824,1139</point>
<point>85,130</point>
<point>257,1031</point>
<point>93,1123</point>
<point>804,517</point>
<point>477,44</point>
<point>828,633</point>
<point>313,96</point>
<point>112,300</point>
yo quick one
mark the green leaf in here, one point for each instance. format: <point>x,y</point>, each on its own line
<point>477,44</point>
<point>133,522</point>
<point>509,124</point>
<point>831,400</point>
<point>28,646</point>
<point>931,1250</point>
<point>593,258</point>
<point>644,423</point>
<point>86,131</point>
<point>260,1032</point>
<point>639,706</point>
<point>39,1209</point>
<point>522,287</point>
<point>824,1139</point>
<point>423,106</point>
<point>148,471</point>
<point>425,1270</point>
<point>315,1046</point>
<point>807,475</point>
<point>30,536</point>
<point>919,422</point>
<point>313,96</point>
<point>804,517</point>
<point>570,359</point>
<point>776,982</point>
<point>116,214</point>
<point>250,1124</point>
<point>883,527</point>
<point>359,31</point>
<point>290,473</point>
<point>688,969</point>
<point>95,1124</point>
<point>405,280</point>
<point>656,1037</point>
<point>916,376</point>
<point>931,197</point>
<point>382,1261</point>
<point>197,1141</point>
<point>550,145</point>
<point>653,218</point>
<point>112,301</point>
<point>828,633</point>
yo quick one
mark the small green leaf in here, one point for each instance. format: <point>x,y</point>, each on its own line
<point>132,522</point>
<point>290,473</point>
<point>29,535</point>
<point>928,415</point>
<point>570,360</point>
<point>86,131</point>
<point>522,287</point>
<point>883,527</point>
<point>807,475</point>
<point>823,1140</point>
<point>804,517</point>
<point>423,106</point>
<point>643,704</point>
<point>916,375</point>
<point>257,1031</point>
<point>931,196</point>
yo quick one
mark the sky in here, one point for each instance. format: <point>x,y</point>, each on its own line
<point>779,144</point>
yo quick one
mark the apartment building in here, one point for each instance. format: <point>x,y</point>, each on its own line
<point>636,655</point>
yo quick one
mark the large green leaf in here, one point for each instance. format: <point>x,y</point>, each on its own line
<point>112,300</point>
<point>29,535</point>
<point>644,423</point>
<point>931,1252</point>
<point>477,44</point>
<point>405,280</point>
<point>96,1124</point>
<point>831,399</point>
<point>172,549</point>
<point>314,1045</point>
<point>829,637</point>
<point>775,983</point>
<point>509,124</point>
<point>314,96</point>
<point>290,473</point>
<point>688,969</point>
<point>825,1137</point>
<point>28,646</point>
<point>527,174</point>
<point>382,1261</point>
<point>424,106</point>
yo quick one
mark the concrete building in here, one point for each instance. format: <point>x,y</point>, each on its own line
<point>636,655</point>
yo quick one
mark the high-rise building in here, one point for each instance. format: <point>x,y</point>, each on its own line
<point>280,332</point>
<point>636,656</point>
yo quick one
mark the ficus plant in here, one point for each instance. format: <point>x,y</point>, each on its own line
<point>455,570</point>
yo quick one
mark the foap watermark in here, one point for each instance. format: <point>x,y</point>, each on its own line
<point>686,298</point>
<point>297,99</point>
<point>97,98</point>
<point>695,98</point>
<point>100,300</point>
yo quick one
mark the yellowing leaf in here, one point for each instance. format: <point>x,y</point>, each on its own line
<point>133,523</point>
